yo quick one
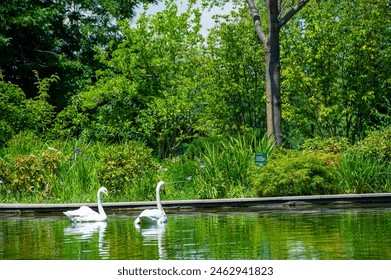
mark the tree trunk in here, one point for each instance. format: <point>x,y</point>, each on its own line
<point>271,44</point>
<point>273,95</point>
<point>273,77</point>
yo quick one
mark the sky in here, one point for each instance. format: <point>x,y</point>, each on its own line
<point>206,19</point>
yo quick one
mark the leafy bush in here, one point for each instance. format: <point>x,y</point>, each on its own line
<point>377,145</point>
<point>297,173</point>
<point>122,166</point>
<point>35,173</point>
<point>12,110</point>
<point>20,114</point>
<point>4,175</point>
<point>28,167</point>
<point>70,121</point>
<point>328,145</point>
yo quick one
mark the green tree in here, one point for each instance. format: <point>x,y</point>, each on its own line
<point>19,113</point>
<point>149,89</point>
<point>337,75</point>
<point>278,13</point>
<point>234,76</point>
<point>268,22</point>
<point>57,37</point>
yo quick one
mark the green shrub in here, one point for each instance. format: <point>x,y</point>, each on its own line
<point>4,177</point>
<point>70,122</point>
<point>328,145</point>
<point>35,173</point>
<point>21,114</point>
<point>28,167</point>
<point>297,173</point>
<point>377,145</point>
<point>12,108</point>
<point>122,166</point>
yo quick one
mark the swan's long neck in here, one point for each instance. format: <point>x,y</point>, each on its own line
<point>158,202</point>
<point>100,207</point>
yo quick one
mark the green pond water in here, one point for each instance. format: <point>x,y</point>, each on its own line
<point>326,234</point>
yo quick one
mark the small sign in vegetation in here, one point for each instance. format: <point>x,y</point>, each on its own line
<point>260,159</point>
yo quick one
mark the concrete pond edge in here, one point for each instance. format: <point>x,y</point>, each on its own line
<point>283,202</point>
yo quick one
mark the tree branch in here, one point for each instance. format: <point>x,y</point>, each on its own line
<point>257,20</point>
<point>292,12</point>
<point>279,6</point>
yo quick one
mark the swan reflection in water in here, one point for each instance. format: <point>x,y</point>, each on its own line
<point>153,235</point>
<point>85,231</point>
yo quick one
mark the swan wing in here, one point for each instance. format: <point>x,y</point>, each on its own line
<point>82,211</point>
<point>151,216</point>
<point>96,217</point>
<point>85,214</point>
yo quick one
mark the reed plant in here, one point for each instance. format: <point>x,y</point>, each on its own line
<point>227,166</point>
<point>78,174</point>
<point>363,174</point>
<point>179,172</point>
<point>365,167</point>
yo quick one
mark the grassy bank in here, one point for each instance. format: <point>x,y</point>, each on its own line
<point>71,171</point>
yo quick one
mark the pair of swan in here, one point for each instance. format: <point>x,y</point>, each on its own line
<point>149,216</point>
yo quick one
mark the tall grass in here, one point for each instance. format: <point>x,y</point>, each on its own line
<point>228,165</point>
<point>77,175</point>
<point>179,173</point>
<point>363,174</point>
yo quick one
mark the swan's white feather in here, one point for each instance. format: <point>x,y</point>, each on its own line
<point>152,216</point>
<point>82,211</point>
<point>86,214</point>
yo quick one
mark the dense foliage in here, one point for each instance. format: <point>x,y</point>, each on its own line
<point>299,173</point>
<point>125,103</point>
<point>19,113</point>
<point>336,58</point>
<point>57,37</point>
<point>217,167</point>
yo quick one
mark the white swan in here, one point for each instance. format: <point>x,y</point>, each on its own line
<point>153,216</point>
<point>86,214</point>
